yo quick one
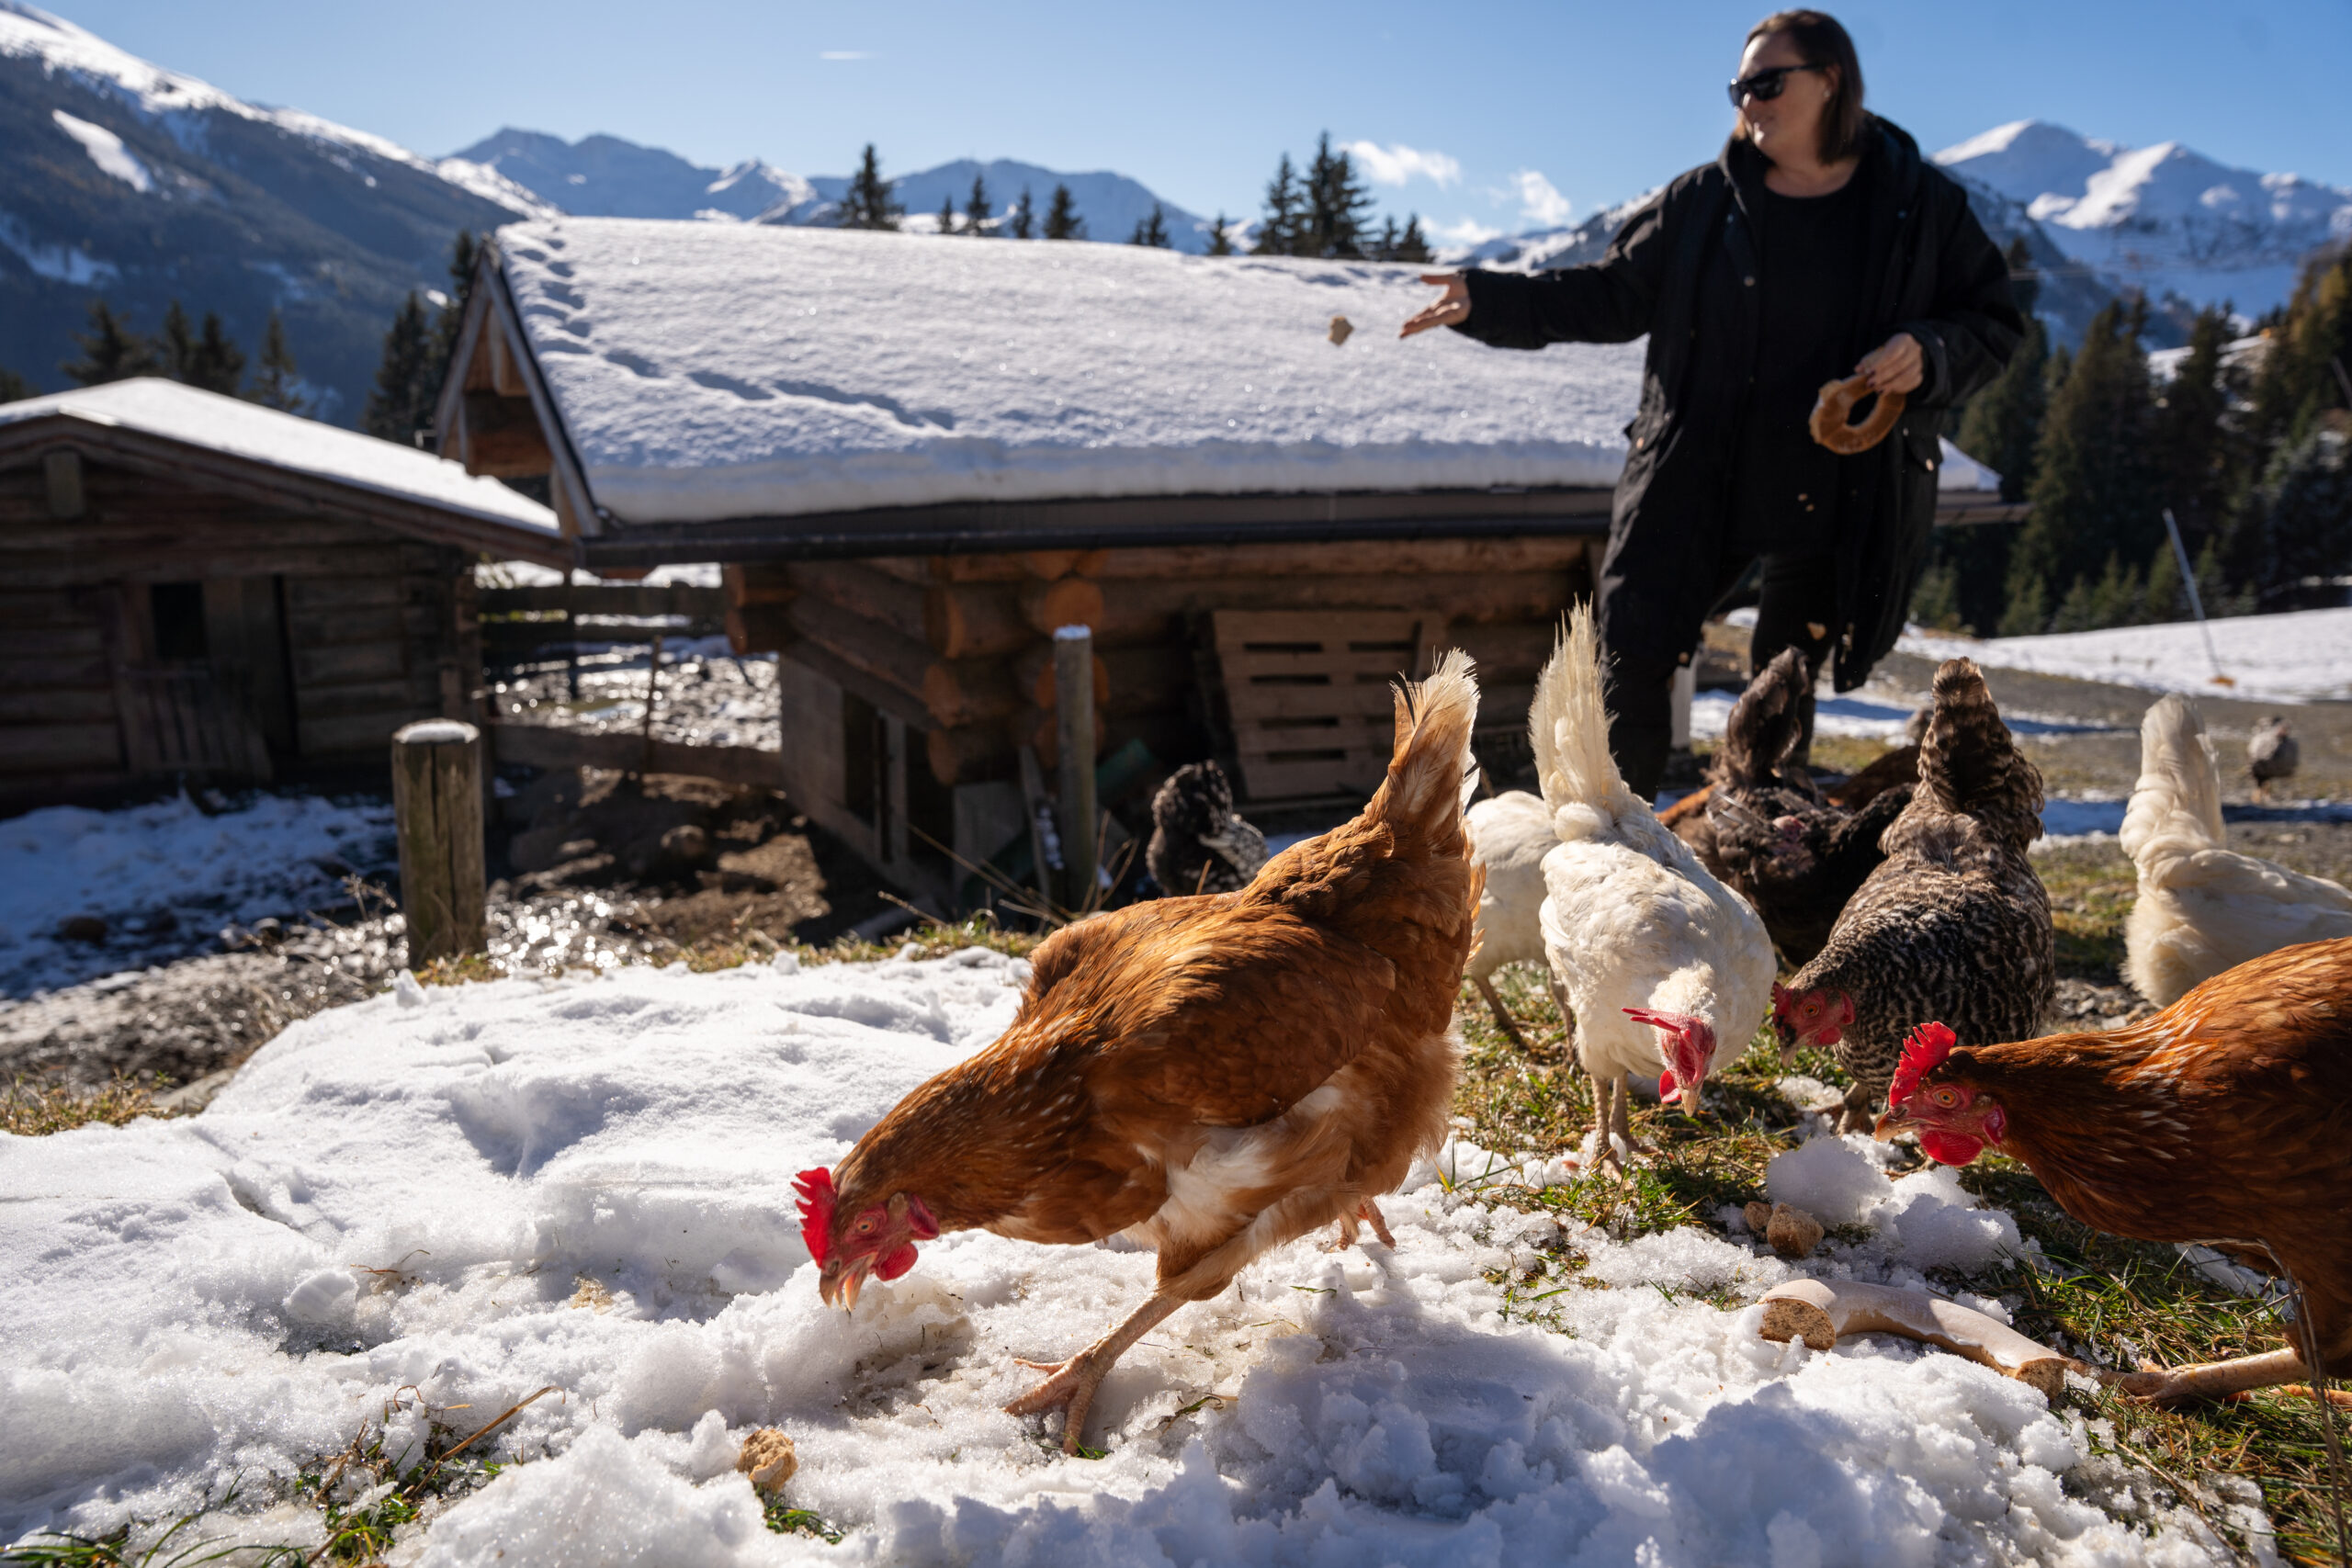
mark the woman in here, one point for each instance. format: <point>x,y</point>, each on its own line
<point>1819,245</point>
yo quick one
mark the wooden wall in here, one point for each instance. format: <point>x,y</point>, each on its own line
<point>955,651</point>
<point>321,637</point>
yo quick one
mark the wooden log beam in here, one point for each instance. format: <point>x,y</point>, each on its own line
<point>756,583</point>
<point>1345,558</point>
<point>436,809</point>
<point>951,693</point>
<point>862,591</point>
<point>1066,602</point>
<point>974,620</point>
<point>544,746</point>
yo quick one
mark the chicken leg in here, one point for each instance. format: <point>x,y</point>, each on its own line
<point>1613,1118</point>
<point>1502,1014</point>
<point>1367,1214</point>
<point>1071,1386</point>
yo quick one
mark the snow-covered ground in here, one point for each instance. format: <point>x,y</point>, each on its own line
<point>166,877</point>
<point>2304,656</point>
<point>583,1184</point>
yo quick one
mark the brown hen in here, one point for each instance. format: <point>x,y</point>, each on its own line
<point>1210,1075</point>
<point>2225,1119</point>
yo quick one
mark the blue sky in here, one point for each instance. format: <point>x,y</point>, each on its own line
<point>1598,101</point>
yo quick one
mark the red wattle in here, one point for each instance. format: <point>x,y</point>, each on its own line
<point>1951,1148</point>
<point>891,1265</point>
<point>1666,1083</point>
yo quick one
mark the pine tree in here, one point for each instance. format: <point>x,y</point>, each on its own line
<point>1279,234</point>
<point>1335,204</point>
<point>217,365</point>
<point>463,254</point>
<point>2302,516</point>
<point>275,383</point>
<point>2311,353</point>
<point>2000,425</point>
<point>177,341</point>
<point>1151,231</point>
<point>976,207</point>
<point>948,215</point>
<point>1412,245</point>
<point>1220,242</point>
<point>110,351</point>
<point>2190,436</point>
<point>868,203</point>
<point>2094,491</point>
<point>401,405</point>
<point>1062,222</point>
<point>1025,216</point>
<point>1384,247</point>
<point>15,388</point>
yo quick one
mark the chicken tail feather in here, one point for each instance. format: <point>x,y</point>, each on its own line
<point>2177,806</point>
<point>1430,772</point>
<point>1970,763</point>
<point>1766,723</point>
<point>1568,725</point>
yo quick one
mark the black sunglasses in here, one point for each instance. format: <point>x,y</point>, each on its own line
<point>1765,86</point>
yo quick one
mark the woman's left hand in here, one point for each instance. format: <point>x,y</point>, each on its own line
<point>1898,364</point>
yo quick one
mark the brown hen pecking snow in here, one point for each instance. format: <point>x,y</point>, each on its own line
<point>1212,1076</point>
<point>2223,1120</point>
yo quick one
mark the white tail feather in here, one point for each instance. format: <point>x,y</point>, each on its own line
<point>1568,725</point>
<point>2177,806</point>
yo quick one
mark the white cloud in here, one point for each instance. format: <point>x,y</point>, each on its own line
<point>1540,202</point>
<point>1396,165</point>
<point>845,54</point>
<point>1469,232</point>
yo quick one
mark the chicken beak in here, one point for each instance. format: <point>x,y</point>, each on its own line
<point>1690,1100</point>
<point>837,1285</point>
<point>1897,1119</point>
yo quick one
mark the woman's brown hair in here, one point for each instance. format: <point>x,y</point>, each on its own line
<point>1822,41</point>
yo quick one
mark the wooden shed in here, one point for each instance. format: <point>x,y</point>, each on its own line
<point>918,457</point>
<point>195,586</point>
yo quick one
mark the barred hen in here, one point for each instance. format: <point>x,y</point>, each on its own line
<point>1953,925</point>
<point>2271,753</point>
<point>1210,1075</point>
<point>2223,1120</point>
<point>1198,844</point>
<point>1770,832</point>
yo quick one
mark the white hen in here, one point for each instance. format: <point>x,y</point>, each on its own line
<point>2204,908</point>
<point>1661,962</point>
<point>1510,836</point>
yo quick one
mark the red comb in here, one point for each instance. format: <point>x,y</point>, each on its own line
<point>816,1190</point>
<point>1922,1054</point>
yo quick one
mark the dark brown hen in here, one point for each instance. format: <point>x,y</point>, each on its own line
<point>1770,832</point>
<point>1954,925</point>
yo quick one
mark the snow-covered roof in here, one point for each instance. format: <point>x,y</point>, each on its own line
<point>196,418</point>
<point>705,372</point>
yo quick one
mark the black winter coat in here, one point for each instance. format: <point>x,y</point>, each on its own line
<point>1686,266</point>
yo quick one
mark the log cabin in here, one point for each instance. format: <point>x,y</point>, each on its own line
<point>918,457</point>
<point>196,588</point>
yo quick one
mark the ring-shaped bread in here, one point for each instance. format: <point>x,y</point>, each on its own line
<point>1837,405</point>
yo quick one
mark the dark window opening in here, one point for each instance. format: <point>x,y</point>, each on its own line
<point>865,761</point>
<point>178,610</point>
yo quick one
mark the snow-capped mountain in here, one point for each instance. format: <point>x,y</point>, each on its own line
<point>2160,218</point>
<point>143,184</point>
<point>605,177</point>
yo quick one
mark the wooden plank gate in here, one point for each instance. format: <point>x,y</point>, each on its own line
<point>1308,693</point>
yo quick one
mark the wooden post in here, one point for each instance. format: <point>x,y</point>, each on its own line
<point>437,806</point>
<point>1074,728</point>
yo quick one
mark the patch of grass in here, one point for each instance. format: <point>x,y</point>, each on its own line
<point>65,1550</point>
<point>745,943</point>
<point>33,1111</point>
<point>2092,888</point>
<point>800,1521</point>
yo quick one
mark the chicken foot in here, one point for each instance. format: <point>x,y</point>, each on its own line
<point>1502,1014</point>
<point>1071,1386</point>
<point>1612,1120</point>
<point>1367,1214</point>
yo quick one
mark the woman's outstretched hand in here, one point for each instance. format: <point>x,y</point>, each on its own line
<point>1895,366</point>
<point>1451,310</point>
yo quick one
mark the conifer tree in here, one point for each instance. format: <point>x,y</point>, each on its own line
<point>1279,234</point>
<point>948,215</point>
<point>1220,242</point>
<point>1998,427</point>
<point>1335,204</point>
<point>1151,231</point>
<point>1023,220</point>
<point>13,387</point>
<point>275,384</point>
<point>1411,245</point>
<point>2094,491</point>
<point>401,405</point>
<point>216,364</point>
<point>2190,435</point>
<point>1384,247</point>
<point>110,351</point>
<point>2301,516</point>
<point>2311,355</point>
<point>868,203</point>
<point>976,207</point>
<point>1062,222</point>
<point>463,254</point>
<point>176,342</point>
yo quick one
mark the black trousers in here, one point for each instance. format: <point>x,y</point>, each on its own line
<point>1800,601</point>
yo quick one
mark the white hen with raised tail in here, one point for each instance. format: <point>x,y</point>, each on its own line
<point>2204,908</point>
<point>1663,965</point>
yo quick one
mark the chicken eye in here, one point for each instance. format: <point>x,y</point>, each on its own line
<point>865,1223</point>
<point>1945,1097</point>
